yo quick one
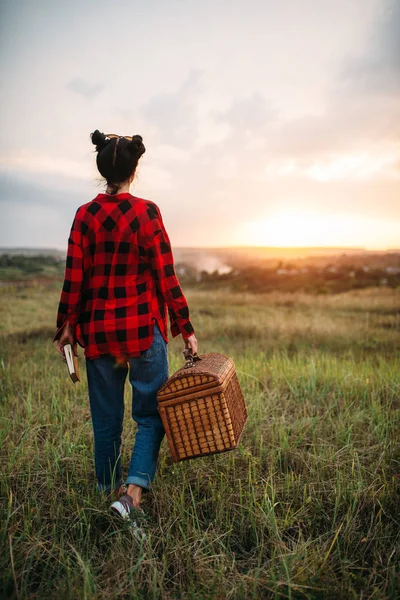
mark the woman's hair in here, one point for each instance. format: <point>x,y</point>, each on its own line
<point>117,158</point>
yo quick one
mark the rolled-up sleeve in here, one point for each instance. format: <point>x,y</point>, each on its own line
<point>153,236</point>
<point>68,308</point>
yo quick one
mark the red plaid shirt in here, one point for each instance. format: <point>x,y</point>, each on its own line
<point>119,276</point>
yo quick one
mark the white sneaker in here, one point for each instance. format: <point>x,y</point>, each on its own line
<point>126,509</point>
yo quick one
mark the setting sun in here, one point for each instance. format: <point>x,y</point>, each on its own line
<point>291,229</point>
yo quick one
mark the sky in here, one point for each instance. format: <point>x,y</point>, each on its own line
<point>265,123</point>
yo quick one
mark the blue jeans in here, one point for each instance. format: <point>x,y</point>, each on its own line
<point>106,381</point>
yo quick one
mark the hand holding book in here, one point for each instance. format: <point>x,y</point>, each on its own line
<point>67,347</point>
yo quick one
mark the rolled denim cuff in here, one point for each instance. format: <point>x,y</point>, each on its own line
<point>137,480</point>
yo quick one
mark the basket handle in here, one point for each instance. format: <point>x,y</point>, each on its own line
<point>190,357</point>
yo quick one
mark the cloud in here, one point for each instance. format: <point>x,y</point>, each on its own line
<point>174,114</point>
<point>356,137</point>
<point>250,115</point>
<point>45,164</point>
<point>20,189</point>
<point>84,88</point>
<point>378,70</point>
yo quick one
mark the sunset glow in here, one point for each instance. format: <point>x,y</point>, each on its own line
<point>291,229</point>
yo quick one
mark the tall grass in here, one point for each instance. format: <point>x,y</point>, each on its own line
<point>306,507</point>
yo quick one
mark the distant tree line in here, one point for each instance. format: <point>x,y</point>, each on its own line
<point>313,280</point>
<point>332,277</point>
<point>20,266</point>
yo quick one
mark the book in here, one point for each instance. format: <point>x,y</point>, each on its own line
<point>72,363</point>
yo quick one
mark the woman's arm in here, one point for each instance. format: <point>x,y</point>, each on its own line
<point>155,240</point>
<point>68,308</point>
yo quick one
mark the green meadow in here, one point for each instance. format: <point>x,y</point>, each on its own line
<point>307,507</point>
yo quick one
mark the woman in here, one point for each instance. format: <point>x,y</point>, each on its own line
<point>119,284</point>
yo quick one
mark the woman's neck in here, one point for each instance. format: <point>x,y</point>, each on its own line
<point>121,190</point>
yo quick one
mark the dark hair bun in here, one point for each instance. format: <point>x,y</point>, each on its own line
<point>137,145</point>
<point>99,140</point>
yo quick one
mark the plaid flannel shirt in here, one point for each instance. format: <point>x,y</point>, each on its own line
<point>119,277</point>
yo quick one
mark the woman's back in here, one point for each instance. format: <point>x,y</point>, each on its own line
<point>120,276</point>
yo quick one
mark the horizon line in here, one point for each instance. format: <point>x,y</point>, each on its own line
<point>238,246</point>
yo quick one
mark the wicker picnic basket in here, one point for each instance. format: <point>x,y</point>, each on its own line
<point>202,407</point>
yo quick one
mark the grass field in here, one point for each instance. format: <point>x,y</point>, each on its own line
<point>308,506</point>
